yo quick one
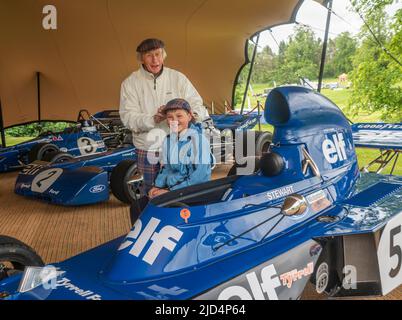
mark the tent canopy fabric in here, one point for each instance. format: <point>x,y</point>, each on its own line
<point>83,62</point>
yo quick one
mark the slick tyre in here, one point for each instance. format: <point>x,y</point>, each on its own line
<point>57,157</point>
<point>38,151</point>
<point>15,256</point>
<point>126,171</point>
<point>261,139</point>
<point>233,170</point>
<point>262,142</point>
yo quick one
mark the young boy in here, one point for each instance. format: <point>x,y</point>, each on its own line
<point>186,154</point>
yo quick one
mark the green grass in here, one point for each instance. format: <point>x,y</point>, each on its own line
<point>11,141</point>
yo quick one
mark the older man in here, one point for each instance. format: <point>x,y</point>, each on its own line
<point>144,94</point>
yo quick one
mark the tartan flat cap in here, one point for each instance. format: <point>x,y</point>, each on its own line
<point>150,44</point>
<point>177,104</point>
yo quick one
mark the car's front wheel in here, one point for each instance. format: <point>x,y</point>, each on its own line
<point>15,256</point>
<point>126,181</point>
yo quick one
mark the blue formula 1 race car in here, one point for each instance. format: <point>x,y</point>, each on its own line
<point>81,181</point>
<point>307,214</point>
<point>89,136</point>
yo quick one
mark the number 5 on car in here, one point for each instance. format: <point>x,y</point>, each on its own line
<point>390,255</point>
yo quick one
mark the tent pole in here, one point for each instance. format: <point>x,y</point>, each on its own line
<point>249,74</point>
<point>324,46</point>
<point>38,94</point>
<point>3,136</point>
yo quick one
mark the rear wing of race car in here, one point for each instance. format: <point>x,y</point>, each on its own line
<point>387,137</point>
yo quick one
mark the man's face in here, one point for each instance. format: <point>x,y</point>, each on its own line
<point>153,60</point>
<point>178,117</point>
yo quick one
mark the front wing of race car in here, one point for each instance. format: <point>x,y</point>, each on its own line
<point>9,160</point>
<point>54,184</point>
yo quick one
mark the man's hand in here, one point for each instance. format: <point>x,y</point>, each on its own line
<point>159,116</point>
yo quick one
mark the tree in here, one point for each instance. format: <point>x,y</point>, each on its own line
<point>340,54</point>
<point>377,78</point>
<point>300,57</point>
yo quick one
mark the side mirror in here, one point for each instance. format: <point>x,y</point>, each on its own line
<point>295,204</point>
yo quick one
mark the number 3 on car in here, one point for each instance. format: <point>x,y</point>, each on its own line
<point>390,255</point>
<point>86,145</point>
<point>45,179</point>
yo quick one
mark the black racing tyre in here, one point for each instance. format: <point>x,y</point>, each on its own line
<point>233,169</point>
<point>39,150</point>
<point>263,140</point>
<point>124,172</point>
<point>15,256</point>
<point>57,156</point>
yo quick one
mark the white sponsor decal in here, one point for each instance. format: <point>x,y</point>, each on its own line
<point>259,291</point>
<point>334,148</point>
<point>31,169</point>
<point>45,179</point>
<point>279,193</point>
<point>390,255</point>
<point>98,188</point>
<point>130,154</point>
<point>25,186</point>
<point>380,126</point>
<point>51,191</point>
<point>269,282</point>
<point>88,294</point>
<point>160,240</point>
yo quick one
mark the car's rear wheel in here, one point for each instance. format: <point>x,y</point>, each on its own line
<point>263,140</point>
<point>126,181</point>
<point>15,256</point>
<point>57,156</point>
<point>40,150</point>
<point>255,163</point>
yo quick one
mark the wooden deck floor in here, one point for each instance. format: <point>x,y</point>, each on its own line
<point>57,232</point>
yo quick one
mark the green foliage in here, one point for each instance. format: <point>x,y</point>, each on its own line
<point>301,57</point>
<point>340,55</point>
<point>377,78</point>
<point>34,129</point>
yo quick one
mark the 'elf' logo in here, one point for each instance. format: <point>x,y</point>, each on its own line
<point>160,240</point>
<point>334,149</point>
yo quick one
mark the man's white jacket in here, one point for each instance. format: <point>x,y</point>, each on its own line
<point>142,94</point>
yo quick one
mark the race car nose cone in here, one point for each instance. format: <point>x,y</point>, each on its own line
<point>294,204</point>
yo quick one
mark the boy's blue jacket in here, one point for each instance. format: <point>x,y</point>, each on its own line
<point>186,161</point>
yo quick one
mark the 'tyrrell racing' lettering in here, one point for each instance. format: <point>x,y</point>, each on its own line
<point>88,294</point>
<point>334,148</point>
<point>160,240</point>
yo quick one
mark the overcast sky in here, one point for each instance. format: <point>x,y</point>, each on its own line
<point>313,14</point>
